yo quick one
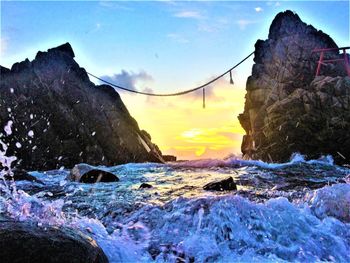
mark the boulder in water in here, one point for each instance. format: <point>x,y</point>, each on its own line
<point>84,173</point>
<point>221,185</point>
<point>145,185</point>
<point>27,242</point>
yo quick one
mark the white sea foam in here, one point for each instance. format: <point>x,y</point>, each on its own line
<point>225,228</point>
<point>238,162</point>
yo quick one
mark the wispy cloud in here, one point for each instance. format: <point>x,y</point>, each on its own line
<point>210,93</point>
<point>129,80</point>
<point>178,38</point>
<point>3,45</point>
<point>258,9</point>
<point>214,25</point>
<point>114,5</point>
<point>189,14</point>
<point>273,3</point>
<point>243,23</point>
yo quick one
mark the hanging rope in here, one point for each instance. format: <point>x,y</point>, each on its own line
<point>177,93</point>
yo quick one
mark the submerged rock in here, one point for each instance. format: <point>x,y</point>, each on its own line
<point>287,109</point>
<point>145,185</point>
<point>84,173</point>
<point>26,242</point>
<point>61,118</point>
<point>221,185</point>
<point>22,175</point>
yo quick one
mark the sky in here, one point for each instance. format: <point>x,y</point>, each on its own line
<point>162,47</point>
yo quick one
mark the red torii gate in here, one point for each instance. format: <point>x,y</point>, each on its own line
<point>323,62</point>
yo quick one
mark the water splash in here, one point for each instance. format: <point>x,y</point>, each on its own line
<point>226,227</point>
<point>238,162</point>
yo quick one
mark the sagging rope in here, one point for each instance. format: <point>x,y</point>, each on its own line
<point>181,92</point>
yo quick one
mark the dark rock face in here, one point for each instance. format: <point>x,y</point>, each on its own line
<point>287,109</point>
<point>222,185</point>
<point>84,173</point>
<point>61,118</point>
<point>26,242</point>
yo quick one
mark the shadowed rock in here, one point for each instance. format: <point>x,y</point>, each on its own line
<point>26,242</point>
<point>221,185</point>
<point>22,175</point>
<point>84,173</point>
<point>61,118</point>
<point>287,109</point>
<point>145,185</point>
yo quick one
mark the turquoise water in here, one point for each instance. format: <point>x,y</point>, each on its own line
<point>296,211</point>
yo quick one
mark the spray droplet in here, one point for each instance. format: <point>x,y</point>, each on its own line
<point>31,133</point>
<point>8,128</point>
<point>18,145</point>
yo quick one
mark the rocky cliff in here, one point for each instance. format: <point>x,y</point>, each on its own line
<point>60,118</point>
<point>287,109</point>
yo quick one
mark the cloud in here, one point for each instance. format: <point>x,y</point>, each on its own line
<point>127,79</point>
<point>178,38</point>
<point>114,5</point>
<point>214,25</point>
<point>243,23</point>
<point>258,9</point>
<point>272,2</point>
<point>189,14</point>
<point>3,45</point>
<point>210,90</point>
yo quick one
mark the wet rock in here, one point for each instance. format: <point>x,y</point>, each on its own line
<point>287,109</point>
<point>145,185</point>
<point>26,242</point>
<point>4,70</point>
<point>169,158</point>
<point>22,175</point>
<point>61,118</point>
<point>84,173</point>
<point>221,185</point>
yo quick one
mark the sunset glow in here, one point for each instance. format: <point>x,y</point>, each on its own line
<point>164,47</point>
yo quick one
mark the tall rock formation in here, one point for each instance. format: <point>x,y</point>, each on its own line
<point>287,109</point>
<point>60,118</point>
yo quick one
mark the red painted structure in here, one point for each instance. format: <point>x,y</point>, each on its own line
<point>322,61</point>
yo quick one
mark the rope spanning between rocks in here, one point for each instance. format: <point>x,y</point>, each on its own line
<point>177,93</point>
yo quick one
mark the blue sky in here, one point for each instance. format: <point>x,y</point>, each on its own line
<point>165,46</point>
<point>164,39</point>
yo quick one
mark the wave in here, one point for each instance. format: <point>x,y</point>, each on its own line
<point>296,158</point>
<point>234,229</point>
<point>207,229</point>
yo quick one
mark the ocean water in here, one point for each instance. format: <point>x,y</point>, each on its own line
<point>296,211</point>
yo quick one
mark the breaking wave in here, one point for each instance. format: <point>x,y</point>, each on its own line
<point>238,162</point>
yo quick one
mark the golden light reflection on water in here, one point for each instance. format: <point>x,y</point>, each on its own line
<point>188,183</point>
